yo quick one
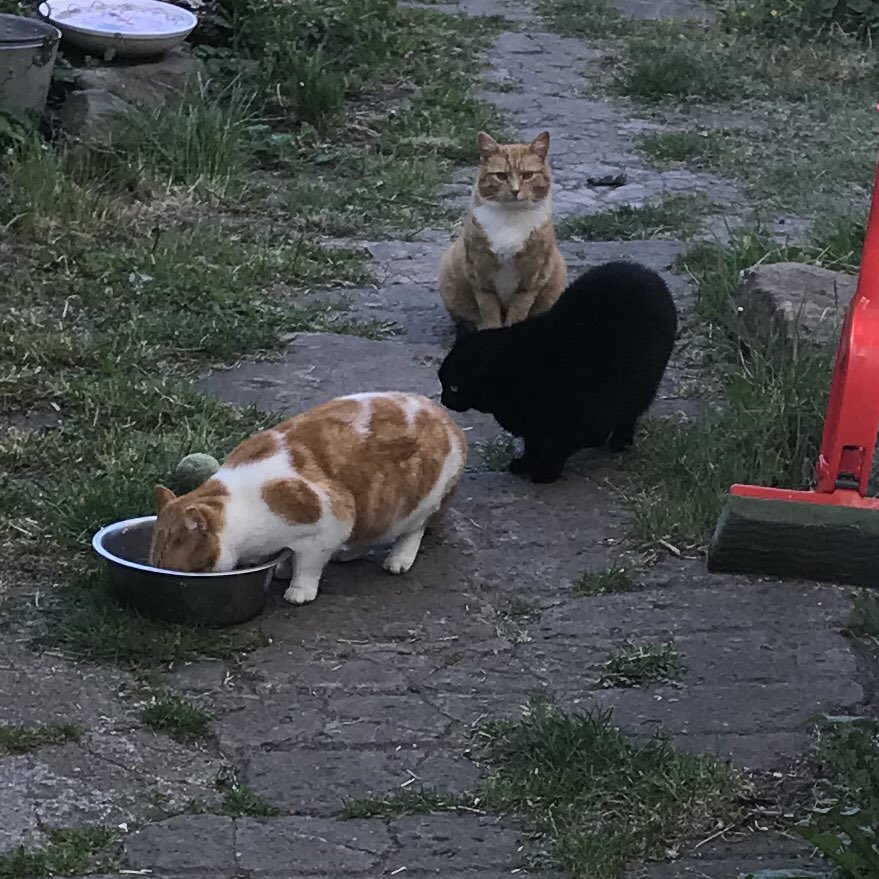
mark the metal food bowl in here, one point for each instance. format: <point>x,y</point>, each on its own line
<point>191,599</point>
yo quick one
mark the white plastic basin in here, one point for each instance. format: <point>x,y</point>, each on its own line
<point>124,29</point>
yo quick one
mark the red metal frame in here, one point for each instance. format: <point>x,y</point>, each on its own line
<point>852,419</point>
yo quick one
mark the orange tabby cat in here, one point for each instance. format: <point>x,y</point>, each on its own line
<point>505,265</point>
<point>360,471</point>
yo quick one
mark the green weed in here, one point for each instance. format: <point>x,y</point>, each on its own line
<point>23,739</point>
<point>658,69</point>
<point>844,828</point>
<point>497,454</point>
<point>618,578</point>
<point>74,852</point>
<point>640,665</point>
<point>694,147</point>
<point>45,199</point>
<point>808,18</point>
<point>201,143</point>
<point>241,801</point>
<point>177,718</point>
<point>582,18</point>
<point>603,799</point>
<point>864,620</point>
<point>406,802</point>
<point>676,216</point>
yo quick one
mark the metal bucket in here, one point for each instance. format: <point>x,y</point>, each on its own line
<point>27,58</point>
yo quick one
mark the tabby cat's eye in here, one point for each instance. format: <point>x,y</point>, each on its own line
<point>501,175</point>
<point>527,175</point>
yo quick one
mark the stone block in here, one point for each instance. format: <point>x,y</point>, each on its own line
<point>798,301</point>
<point>87,114</point>
<point>315,845</point>
<point>149,83</point>
<point>183,843</point>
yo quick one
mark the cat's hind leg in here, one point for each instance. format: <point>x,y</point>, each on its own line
<point>623,435</point>
<point>403,552</point>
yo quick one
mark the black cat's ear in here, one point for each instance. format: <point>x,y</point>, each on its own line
<point>488,146</point>
<point>540,145</point>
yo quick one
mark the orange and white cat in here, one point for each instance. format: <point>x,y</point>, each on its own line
<point>356,472</point>
<point>505,265</point>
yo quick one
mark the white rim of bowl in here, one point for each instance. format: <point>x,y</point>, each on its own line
<point>116,35</point>
<point>103,552</point>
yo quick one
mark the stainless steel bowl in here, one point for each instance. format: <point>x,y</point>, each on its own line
<point>191,599</point>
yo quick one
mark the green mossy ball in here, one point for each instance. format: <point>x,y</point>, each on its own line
<point>193,470</point>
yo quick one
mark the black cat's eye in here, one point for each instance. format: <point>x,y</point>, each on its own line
<point>453,389</point>
<point>501,175</point>
<point>527,175</point>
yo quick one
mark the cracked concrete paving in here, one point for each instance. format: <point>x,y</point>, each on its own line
<point>375,687</point>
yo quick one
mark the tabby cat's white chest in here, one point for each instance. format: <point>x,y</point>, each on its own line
<point>508,228</point>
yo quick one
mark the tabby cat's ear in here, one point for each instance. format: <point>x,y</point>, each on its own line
<point>194,520</point>
<point>163,497</point>
<point>540,144</point>
<point>488,146</point>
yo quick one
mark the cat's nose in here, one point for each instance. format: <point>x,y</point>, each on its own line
<point>515,192</point>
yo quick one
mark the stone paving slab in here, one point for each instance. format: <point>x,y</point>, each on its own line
<point>322,781</point>
<point>465,845</point>
<point>117,773</point>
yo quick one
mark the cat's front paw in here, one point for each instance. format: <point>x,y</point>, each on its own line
<point>396,565</point>
<point>299,593</point>
<point>545,476</point>
<point>619,444</point>
<point>518,465</point>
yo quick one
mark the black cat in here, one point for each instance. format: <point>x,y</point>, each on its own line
<point>577,376</point>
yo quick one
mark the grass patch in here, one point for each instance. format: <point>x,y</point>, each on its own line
<point>406,802</point>
<point>75,852</point>
<point>673,68</point>
<point>583,18</point>
<point>177,718</point>
<point>603,799</point>
<point>202,144</point>
<point>803,154</point>
<point>107,327</point>
<point>676,216</point>
<point>23,739</point>
<point>241,801</point>
<point>673,147</point>
<point>864,620</point>
<point>844,827</point>
<point>378,166</point>
<point>238,801</point>
<point>618,578</point>
<point>641,665</point>
<point>768,429</point>
<point>808,18</point>
<point>86,622</point>
<point>718,63</point>
<point>496,454</point>
<point>521,611</point>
